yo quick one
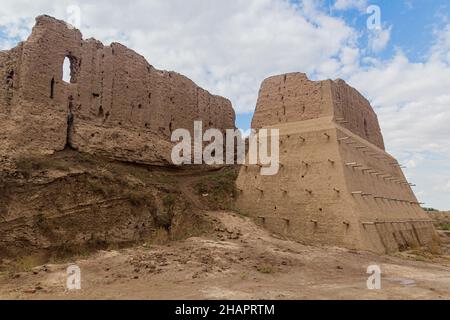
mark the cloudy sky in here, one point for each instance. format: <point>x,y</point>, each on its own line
<point>401,64</point>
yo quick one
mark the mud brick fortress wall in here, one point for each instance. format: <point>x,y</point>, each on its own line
<point>117,106</point>
<point>336,184</point>
<point>116,103</point>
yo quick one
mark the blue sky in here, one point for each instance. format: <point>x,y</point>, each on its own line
<point>413,25</point>
<point>229,47</point>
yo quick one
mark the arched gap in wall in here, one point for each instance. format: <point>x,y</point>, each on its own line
<point>66,70</point>
<point>69,69</point>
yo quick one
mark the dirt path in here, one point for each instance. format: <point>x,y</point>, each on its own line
<point>238,261</point>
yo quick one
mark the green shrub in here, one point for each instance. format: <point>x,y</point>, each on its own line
<point>169,200</point>
<point>444,226</point>
<point>266,268</point>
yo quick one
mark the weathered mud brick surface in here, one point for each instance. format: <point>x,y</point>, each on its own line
<point>336,184</point>
<point>116,103</point>
<point>85,163</point>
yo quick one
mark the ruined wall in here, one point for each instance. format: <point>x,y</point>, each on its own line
<point>353,111</point>
<point>293,97</point>
<point>116,104</point>
<point>54,198</point>
<point>336,184</point>
<point>280,100</point>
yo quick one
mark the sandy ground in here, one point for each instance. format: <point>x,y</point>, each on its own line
<point>238,261</point>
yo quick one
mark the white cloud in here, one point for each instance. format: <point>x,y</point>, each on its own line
<point>361,5</point>
<point>412,100</point>
<point>441,49</point>
<point>379,39</point>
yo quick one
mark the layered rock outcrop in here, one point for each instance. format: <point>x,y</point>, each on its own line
<point>116,103</point>
<point>336,185</point>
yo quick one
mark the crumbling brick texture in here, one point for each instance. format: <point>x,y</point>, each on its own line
<point>116,103</point>
<point>336,184</point>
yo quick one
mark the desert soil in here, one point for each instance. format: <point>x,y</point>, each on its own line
<point>239,260</point>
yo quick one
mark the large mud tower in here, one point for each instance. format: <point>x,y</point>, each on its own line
<point>336,184</point>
